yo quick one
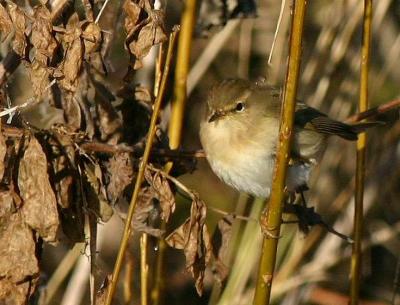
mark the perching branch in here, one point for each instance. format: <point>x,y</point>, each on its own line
<point>271,218</point>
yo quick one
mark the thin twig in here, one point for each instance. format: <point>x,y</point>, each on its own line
<point>101,11</point>
<point>374,111</point>
<point>140,175</point>
<point>355,272</point>
<point>278,25</point>
<point>272,217</point>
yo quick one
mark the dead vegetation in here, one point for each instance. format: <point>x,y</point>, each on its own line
<point>71,166</point>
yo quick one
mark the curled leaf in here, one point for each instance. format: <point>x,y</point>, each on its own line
<point>193,237</point>
<point>163,193</point>
<point>39,201</point>
<point>120,170</point>
<point>6,25</point>
<point>91,37</point>
<point>19,22</point>
<point>42,36</point>
<point>143,32</point>
<point>18,249</point>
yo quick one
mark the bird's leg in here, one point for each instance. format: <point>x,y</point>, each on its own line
<point>308,217</point>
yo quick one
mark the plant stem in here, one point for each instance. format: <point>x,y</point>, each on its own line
<point>152,130</point>
<point>144,268</point>
<point>355,271</point>
<point>181,73</point>
<point>176,119</point>
<point>272,217</point>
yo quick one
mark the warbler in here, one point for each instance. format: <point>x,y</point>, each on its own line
<point>240,130</point>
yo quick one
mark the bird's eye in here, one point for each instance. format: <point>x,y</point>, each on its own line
<point>239,107</point>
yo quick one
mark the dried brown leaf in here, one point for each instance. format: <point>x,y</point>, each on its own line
<point>6,25</point>
<point>132,11</point>
<point>39,202</point>
<point>19,22</point>
<point>16,293</point>
<point>97,198</point>
<point>163,193</point>
<point>120,170</point>
<point>70,68</point>
<point>220,242</point>
<point>143,94</point>
<point>72,112</point>
<point>17,253</point>
<point>64,181</point>
<point>92,37</point>
<point>150,34</point>
<point>142,32</point>
<point>42,36</point>
<point>193,237</point>
<point>39,76</point>
<point>144,209</point>
<point>6,207</point>
<point>3,151</point>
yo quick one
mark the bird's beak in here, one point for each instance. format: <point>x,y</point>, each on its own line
<point>215,116</point>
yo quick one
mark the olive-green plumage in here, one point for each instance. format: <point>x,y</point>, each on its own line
<point>240,131</point>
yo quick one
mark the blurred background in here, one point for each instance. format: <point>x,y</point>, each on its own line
<point>312,268</point>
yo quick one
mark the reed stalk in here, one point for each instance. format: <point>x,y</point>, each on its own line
<point>272,216</point>
<point>355,271</point>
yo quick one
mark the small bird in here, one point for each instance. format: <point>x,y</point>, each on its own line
<point>239,135</point>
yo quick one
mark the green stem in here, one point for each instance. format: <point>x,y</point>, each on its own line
<point>271,219</point>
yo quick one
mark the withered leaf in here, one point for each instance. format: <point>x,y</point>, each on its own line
<point>40,206</point>
<point>110,124</point>
<point>152,33</point>
<point>71,66</point>
<point>92,37</point>
<point>144,209</point>
<point>163,193</point>
<point>120,170</point>
<point>142,33</point>
<point>42,37</point>
<point>39,76</point>
<point>98,199</point>
<point>64,181</point>
<point>6,207</point>
<point>6,25</point>
<point>143,94</point>
<point>72,111</point>
<point>17,252</point>
<point>3,151</point>
<point>193,237</point>
<point>220,242</point>
<point>16,293</point>
<point>19,22</point>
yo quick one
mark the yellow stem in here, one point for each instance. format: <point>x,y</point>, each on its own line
<point>176,119</point>
<point>355,272</point>
<point>144,268</point>
<point>140,175</point>
<point>271,219</point>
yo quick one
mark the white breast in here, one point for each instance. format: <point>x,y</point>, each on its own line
<point>243,163</point>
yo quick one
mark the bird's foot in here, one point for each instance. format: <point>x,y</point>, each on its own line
<point>308,217</point>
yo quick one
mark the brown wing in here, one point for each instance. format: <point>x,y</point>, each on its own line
<point>311,119</point>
